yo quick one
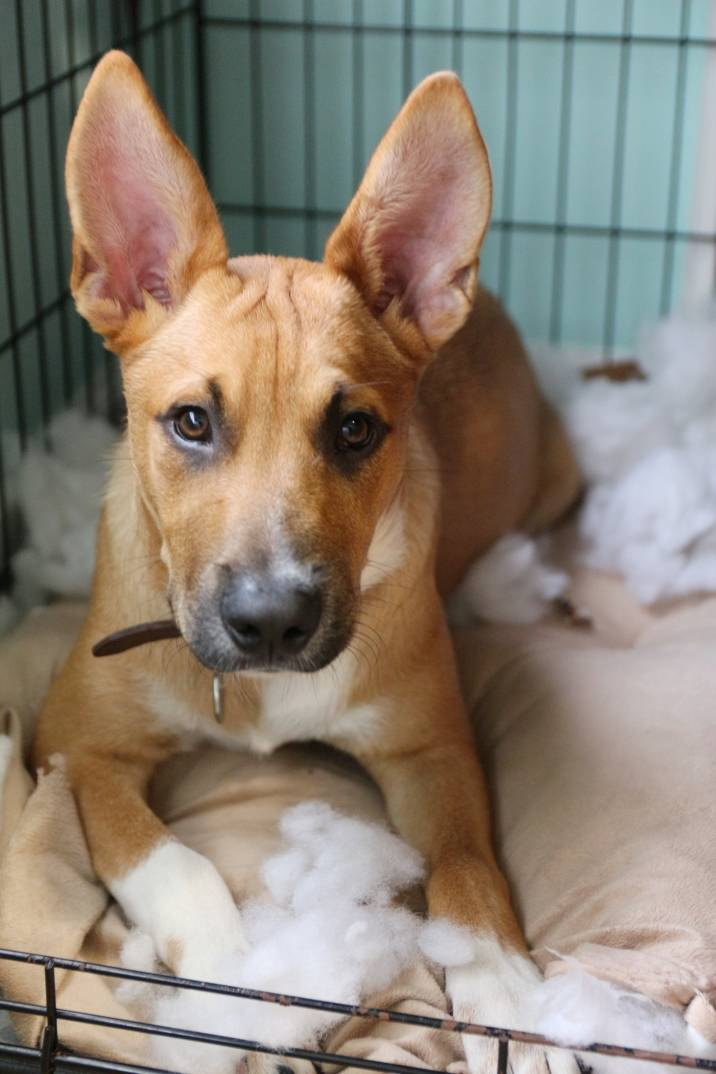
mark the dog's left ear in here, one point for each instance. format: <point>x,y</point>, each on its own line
<point>410,238</point>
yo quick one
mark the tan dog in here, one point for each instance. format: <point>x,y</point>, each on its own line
<point>293,467</point>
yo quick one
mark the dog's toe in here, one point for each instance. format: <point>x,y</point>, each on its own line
<point>498,989</point>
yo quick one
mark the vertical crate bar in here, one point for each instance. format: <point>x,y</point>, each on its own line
<point>677,137</point>
<point>108,360</point>
<point>160,66</point>
<point>202,120</point>
<point>560,211</point>
<point>50,1039</point>
<point>13,344</point>
<point>458,36</point>
<point>5,547</point>
<point>257,127</point>
<point>31,219</point>
<point>357,62</point>
<point>408,66</point>
<point>508,178</point>
<point>87,357</point>
<point>309,148</point>
<point>610,307</point>
<point>57,198</point>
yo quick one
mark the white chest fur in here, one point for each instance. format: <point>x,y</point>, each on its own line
<point>298,707</point>
<point>292,708</point>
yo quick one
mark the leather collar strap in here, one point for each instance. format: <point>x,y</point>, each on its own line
<point>141,634</point>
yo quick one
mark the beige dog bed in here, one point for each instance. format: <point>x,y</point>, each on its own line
<point>600,746</point>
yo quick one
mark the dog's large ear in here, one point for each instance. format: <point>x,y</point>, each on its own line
<point>410,238</point>
<point>144,224</point>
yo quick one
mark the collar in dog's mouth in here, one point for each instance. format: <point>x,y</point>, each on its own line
<point>157,630</point>
<point>141,634</point>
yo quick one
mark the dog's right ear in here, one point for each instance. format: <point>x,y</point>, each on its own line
<point>144,225</point>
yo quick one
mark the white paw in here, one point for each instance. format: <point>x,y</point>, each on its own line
<point>499,988</point>
<point>179,899</point>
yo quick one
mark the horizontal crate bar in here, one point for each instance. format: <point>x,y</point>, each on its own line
<point>64,1064</point>
<point>164,980</point>
<point>152,1029</point>
<point>376,1013</point>
<point>556,228</point>
<point>78,68</point>
<point>464,31</point>
<point>18,1051</point>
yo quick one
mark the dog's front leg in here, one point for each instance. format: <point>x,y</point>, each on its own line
<point>437,800</point>
<point>164,888</point>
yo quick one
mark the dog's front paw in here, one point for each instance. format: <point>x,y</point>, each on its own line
<point>498,988</point>
<point>178,898</point>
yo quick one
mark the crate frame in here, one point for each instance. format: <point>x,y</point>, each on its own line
<point>50,1058</point>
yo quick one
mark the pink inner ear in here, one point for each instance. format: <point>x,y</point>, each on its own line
<point>424,239</point>
<point>133,235</point>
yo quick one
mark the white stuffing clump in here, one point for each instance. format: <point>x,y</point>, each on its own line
<point>327,928</point>
<point>447,944</point>
<point>648,450</point>
<point>513,582</point>
<point>575,1008</point>
<point>58,494</point>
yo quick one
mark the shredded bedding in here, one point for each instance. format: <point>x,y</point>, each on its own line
<point>328,915</point>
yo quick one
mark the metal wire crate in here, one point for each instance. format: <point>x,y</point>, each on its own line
<point>50,1058</point>
<point>197,53</point>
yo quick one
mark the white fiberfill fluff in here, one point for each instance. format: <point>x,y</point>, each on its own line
<point>512,583</point>
<point>648,450</point>
<point>328,928</point>
<point>58,494</point>
<point>576,1008</point>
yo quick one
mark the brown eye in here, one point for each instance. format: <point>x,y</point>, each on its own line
<point>357,432</point>
<point>192,424</point>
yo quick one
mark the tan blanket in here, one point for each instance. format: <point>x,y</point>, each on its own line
<point>601,751</point>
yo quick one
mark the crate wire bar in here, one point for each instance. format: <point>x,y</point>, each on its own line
<point>52,1059</point>
<point>49,359</point>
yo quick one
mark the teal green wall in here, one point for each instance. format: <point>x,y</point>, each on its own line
<point>520,264</point>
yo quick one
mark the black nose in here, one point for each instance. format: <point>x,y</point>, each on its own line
<point>270,618</point>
